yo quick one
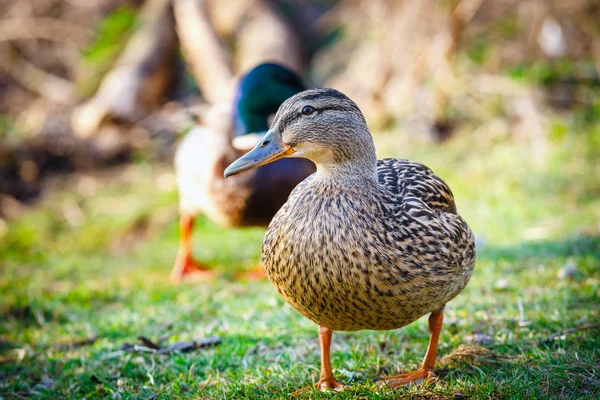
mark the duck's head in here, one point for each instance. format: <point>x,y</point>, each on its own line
<point>260,93</point>
<point>323,125</point>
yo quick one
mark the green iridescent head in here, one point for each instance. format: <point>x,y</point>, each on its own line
<point>259,95</point>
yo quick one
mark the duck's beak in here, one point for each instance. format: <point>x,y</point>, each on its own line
<point>269,149</point>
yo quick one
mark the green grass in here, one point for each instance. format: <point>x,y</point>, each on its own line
<point>93,260</point>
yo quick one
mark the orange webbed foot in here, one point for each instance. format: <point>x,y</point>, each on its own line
<point>185,266</point>
<point>190,270</point>
<point>419,376</point>
<point>323,385</point>
<point>255,274</point>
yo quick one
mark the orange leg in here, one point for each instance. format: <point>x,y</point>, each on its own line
<point>428,366</point>
<point>185,264</point>
<point>327,380</point>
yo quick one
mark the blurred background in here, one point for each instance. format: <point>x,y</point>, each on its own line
<point>500,98</point>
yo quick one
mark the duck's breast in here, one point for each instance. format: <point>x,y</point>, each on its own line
<point>335,257</point>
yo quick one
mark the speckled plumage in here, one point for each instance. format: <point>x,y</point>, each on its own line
<point>350,252</point>
<point>361,243</point>
<point>358,255</point>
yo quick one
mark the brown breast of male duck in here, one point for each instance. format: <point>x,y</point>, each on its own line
<point>253,199</point>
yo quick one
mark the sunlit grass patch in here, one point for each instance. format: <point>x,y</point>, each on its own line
<point>91,261</point>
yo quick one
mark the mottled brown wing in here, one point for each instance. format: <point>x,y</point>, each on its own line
<point>408,178</point>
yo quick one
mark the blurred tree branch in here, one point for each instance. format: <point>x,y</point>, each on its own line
<point>44,28</point>
<point>135,85</point>
<point>421,64</point>
<point>37,80</point>
<point>264,35</point>
<point>208,60</point>
<point>260,34</point>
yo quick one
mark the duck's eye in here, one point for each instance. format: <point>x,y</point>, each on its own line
<point>307,110</point>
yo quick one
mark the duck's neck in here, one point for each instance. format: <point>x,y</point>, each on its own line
<point>357,163</point>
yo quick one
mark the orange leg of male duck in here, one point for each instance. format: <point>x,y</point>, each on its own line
<point>185,264</point>
<point>327,381</point>
<point>426,372</point>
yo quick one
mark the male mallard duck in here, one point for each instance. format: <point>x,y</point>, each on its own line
<point>362,243</point>
<point>206,150</point>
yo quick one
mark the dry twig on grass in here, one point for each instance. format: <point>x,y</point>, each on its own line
<point>148,346</point>
<point>566,332</point>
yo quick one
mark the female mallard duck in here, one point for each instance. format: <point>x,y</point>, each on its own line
<point>204,153</point>
<point>362,243</point>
